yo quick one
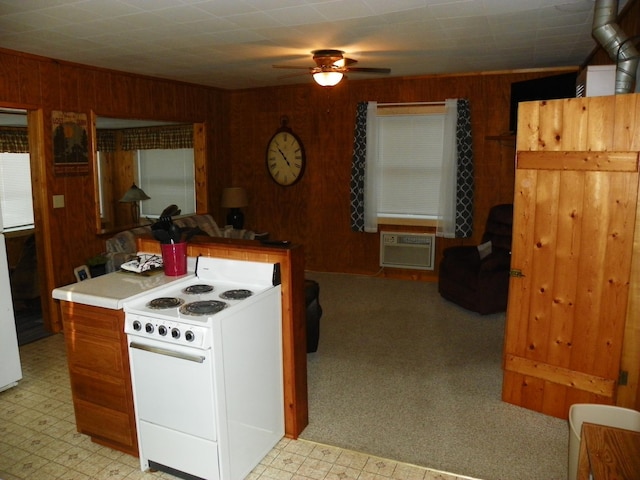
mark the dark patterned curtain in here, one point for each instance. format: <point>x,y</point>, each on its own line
<point>358,168</point>
<point>464,186</point>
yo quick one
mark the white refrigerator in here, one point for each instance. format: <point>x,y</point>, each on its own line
<point>10,370</point>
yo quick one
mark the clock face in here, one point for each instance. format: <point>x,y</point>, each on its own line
<point>285,158</point>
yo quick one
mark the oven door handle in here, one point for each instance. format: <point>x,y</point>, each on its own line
<point>169,353</point>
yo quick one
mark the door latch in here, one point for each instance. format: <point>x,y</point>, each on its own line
<point>514,272</point>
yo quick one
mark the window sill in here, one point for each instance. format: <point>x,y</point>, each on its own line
<point>414,222</point>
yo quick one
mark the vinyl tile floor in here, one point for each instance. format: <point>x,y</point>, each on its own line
<point>39,441</point>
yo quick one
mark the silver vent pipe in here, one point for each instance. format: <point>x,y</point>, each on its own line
<point>609,34</point>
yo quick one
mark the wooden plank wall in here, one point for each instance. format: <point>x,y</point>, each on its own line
<point>576,336</point>
<point>316,211</point>
<point>33,82</point>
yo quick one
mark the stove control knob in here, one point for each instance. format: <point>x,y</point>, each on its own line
<point>137,326</point>
<point>189,336</point>
<point>175,333</point>
<point>162,330</point>
<point>148,328</point>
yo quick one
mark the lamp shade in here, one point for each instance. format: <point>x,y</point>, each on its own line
<point>234,197</point>
<point>327,79</point>
<point>134,194</point>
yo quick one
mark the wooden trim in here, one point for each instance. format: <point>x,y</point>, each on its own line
<point>577,160</point>
<point>559,375</point>
<point>418,222</point>
<point>42,219</point>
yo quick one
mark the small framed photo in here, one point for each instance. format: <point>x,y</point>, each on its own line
<point>82,273</point>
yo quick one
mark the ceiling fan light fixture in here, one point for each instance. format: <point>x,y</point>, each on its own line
<point>328,79</point>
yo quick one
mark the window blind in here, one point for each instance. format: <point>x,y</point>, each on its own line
<point>168,177</point>
<point>410,165</point>
<point>16,202</point>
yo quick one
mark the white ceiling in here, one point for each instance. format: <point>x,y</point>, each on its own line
<point>234,43</point>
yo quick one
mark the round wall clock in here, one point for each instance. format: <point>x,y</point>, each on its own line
<point>285,156</point>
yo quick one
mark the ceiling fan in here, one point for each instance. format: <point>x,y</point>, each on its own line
<point>331,65</point>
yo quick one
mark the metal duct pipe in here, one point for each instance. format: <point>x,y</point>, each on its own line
<point>614,41</point>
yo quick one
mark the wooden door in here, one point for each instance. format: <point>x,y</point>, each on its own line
<point>574,221</point>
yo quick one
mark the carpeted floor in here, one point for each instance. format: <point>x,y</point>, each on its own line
<point>404,374</point>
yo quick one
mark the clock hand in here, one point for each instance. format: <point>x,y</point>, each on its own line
<point>283,156</point>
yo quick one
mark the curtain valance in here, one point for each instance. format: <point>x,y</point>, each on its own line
<point>14,140</point>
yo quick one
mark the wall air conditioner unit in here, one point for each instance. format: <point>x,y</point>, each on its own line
<point>596,81</point>
<point>407,250</point>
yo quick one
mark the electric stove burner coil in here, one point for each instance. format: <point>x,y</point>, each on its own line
<point>163,303</point>
<point>198,289</point>
<point>205,307</point>
<point>239,294</point>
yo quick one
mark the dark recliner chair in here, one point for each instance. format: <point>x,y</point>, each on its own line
<point>477,277</point>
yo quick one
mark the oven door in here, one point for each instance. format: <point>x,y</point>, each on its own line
<point>173,386</point>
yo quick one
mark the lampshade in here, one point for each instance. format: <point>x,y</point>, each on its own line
<point>234,197</point>
<point>327,79</point>
<point>134,194</point>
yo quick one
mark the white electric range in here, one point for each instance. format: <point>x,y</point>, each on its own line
<point>206,367</point>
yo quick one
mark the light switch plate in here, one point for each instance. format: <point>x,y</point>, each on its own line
<point>58,201</point>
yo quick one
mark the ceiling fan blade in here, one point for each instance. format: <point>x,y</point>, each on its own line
<point>368,70</point>
<point>349,61</point>
<point>295,67</point>
<point>293,75</point>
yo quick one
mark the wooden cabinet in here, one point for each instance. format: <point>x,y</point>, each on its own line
<point>571,327</point>
<point>99,371</point>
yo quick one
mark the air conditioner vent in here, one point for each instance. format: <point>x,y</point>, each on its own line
<point>407,250</point>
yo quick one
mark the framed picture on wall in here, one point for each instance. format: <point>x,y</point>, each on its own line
<point>70,143</point>
<point>82,273</point>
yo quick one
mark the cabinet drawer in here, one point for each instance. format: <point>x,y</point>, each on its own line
<point>105,424</point>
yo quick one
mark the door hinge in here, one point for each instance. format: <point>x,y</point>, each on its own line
<point>514,272</point>
<point>623,378</point>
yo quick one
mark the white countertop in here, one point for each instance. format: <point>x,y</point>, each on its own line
<point>111,290</point>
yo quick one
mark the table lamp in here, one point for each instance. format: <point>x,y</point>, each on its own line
<point>234,198</point>
<point>133,196</point>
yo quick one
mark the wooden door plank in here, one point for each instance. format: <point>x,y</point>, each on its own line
<point>560,376</point>
<point>574,136</point>
<point>521,258</point>
<point>578,160</point>
<point>627,136</point>
<point>567,258</point>
<point>545,214</point>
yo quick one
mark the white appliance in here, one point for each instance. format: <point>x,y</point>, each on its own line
<point>206,369</point>
<point>10,370</point>
<point>407,250</point>
<point>596,81</point>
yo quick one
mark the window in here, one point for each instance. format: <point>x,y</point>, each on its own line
<point>168,177</point>
<point>435,147</point>
<point>16,202</point>
<point>410,148</point>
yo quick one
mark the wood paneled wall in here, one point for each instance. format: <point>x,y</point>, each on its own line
<point>316,211</point>
<point>44,84</point>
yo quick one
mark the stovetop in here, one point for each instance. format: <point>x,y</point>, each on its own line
<point>183,311</point>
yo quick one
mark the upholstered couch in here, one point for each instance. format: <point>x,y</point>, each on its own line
<point>122,246</point>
